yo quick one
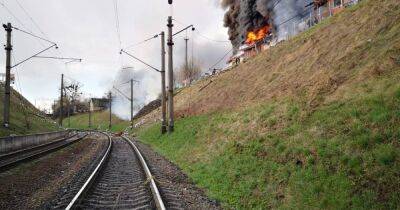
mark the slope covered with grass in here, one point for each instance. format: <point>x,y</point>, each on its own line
<point>310,124</point>
<point>100,121</point>
<point>24,117</point>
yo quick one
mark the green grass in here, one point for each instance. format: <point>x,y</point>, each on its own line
<point>24,117</point>
<point>333,145</point>
<point>341,155</point>
<point>100,121</point>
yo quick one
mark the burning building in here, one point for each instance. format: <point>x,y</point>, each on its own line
<point>255,25</point>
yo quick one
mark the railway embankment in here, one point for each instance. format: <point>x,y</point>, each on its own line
<point>311,123</point>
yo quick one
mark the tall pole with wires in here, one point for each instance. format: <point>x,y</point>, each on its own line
<point>7,87</point>
<point>131,103</point>
<point>163,91</point>
<point>186,55</point>
<point>61,100</point>
<point>170,77</point>
<point>90,114</point>
<point>110,104</point>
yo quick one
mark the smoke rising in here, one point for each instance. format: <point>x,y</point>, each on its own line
<point>243,16</point>
<point>144,91</point>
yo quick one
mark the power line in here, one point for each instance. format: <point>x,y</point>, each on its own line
<point>36,36</point>
<point>202,35</point>
<point>142,42</point>
<point>117,22</point>
<point>12,14</point>
<point>30,17</point>
<point>221,58</point>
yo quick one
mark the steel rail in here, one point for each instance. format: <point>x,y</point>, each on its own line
<point>154,189</point>
<point>77,198</point>
<point>36,155</point>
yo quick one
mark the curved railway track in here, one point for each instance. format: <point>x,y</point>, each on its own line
<point>121,180</point>
<point>10,160</point>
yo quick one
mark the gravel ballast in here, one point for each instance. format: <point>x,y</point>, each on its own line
<point>35,184</point>
<point>169,177</point>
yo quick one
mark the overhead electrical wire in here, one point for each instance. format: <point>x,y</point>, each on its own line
<point>202,35</point>
<point>142,42</point>
<point>221,59</point>
<point>32,20</point>
<point>12,14</point>
<point>117,22</point>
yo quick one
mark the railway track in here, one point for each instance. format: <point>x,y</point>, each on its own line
<point>10,160</point>
<point>121,180</point>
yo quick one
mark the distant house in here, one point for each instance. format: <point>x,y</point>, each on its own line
<point>99,104</point>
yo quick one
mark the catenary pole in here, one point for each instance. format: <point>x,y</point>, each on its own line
<point>186,54</point>
<point>170,77</point>
<point>90,113</point>
<point>61,100</point>
<point>8,48</point>
<point>131,103</point>
<point>110,104</point>
<point>163,90</point>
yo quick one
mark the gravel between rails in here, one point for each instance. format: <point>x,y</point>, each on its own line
<point>65,194</point>
<point>122,183</point>
<point>177,190</point>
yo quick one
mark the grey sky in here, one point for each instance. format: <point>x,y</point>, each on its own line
<point>87,29</point>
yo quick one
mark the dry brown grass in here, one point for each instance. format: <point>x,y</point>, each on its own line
<point>320,65</point>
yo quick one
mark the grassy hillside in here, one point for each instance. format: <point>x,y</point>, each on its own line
<point>100,121</point>
<point>312,123</point>
<point>24,117</point>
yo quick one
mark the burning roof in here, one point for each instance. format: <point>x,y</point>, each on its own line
<point>251,20</point>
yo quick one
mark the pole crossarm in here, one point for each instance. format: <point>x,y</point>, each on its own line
<point>40,52</point>
<point>144,41</point>
<point>191,26</point>
<point>141,61</point>
<point>59,58</point>
<point>41,38</point>
<point>127,82</point>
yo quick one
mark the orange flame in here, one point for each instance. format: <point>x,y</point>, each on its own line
<point>257,35</point>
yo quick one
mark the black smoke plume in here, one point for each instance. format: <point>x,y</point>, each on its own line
<point>243,16</point>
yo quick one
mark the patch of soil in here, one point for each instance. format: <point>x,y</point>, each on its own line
<point>32,185</point>
<point>169,176</point>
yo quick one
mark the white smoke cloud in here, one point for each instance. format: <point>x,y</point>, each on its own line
<point>287,16</point>
<point>145,89</point>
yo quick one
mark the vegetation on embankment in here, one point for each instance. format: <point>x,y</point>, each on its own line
<point>283,154</point>
<point>100,121</point>
<point>24,117</point>
<point>310,124</point>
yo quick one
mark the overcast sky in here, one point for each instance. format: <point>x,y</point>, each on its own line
<point>87,29</point>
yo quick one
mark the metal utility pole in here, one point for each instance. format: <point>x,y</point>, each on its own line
<point>61,100</point>
<point>163,91</point>
<point>68,112</point>
<point>186,53</point>
<point>131,103</point>
<point>170,77</point>
<point>110,98</point>
<point>8,48</point>
<point>90,114</point>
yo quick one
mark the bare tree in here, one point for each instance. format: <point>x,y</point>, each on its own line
<point>188,74</point>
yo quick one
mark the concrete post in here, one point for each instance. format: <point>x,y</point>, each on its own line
<point>131,103</point>
<point>170,77</point>
<point>61,100</point>
<point>7,87</point>
<point>163,90</point>
<point>110,104</point>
